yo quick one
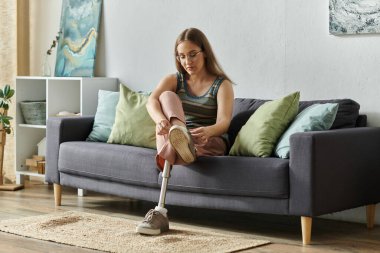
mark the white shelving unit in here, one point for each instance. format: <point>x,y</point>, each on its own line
<point>73,94</point>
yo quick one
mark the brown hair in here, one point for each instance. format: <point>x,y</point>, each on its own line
<point>198,38</point>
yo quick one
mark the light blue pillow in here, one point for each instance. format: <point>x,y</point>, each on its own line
<point>105,115</point>
<point>316,117</point>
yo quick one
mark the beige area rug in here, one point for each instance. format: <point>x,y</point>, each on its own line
<point>113,234</point>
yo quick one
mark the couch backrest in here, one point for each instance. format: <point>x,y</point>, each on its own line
<point>347,115</point>
<point>361,121</point>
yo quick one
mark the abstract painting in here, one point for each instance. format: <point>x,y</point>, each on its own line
<point>76,49</point>
<point>354,16</point>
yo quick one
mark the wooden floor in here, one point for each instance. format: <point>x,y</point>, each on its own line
<point>283,231</point>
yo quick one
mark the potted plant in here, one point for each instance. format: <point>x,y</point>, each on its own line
<point>6,94</point>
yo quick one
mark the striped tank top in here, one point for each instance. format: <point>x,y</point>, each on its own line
<point>199,110</point>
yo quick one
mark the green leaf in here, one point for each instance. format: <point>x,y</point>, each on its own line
<point>6,90</point>
<point>10,94</point>
<point>1,93</point>
<point>5,106</point>
<point>6,121</point>
<point>8,130</point>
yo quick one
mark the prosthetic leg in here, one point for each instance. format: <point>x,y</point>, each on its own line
<point>165,179</point>
<point>156,220</point>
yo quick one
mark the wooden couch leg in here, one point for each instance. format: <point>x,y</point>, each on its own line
<point>306,229</point>
<point>371,216</point>
<point>57,194</point>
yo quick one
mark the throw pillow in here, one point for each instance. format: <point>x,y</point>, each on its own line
<point>104,116</point>
<point>348,111</point>
<point>262,130</point>
<point>316,117</point>
<point>133,125</point>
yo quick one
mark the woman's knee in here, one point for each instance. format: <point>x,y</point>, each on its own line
<point>168,94</point>
<point>169,98</point>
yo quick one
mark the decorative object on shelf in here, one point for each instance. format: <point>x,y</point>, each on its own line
<point>53,44</point>
<point>34,112</point>
<point>36,164</point>
<point>354,17</point>
<point>41,146</point>
<point>67,114</point>
<point>46,70</point>
<point>5,128</point>
<point>76,49</point>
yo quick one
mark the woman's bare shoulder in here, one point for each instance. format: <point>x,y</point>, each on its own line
<point>226,89</point>
<point>167,83</point>
<point>171,78</point>
<point>226,84</point>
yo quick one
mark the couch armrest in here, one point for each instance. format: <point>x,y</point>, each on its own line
<point>60,130</point>
<point>334,170</point>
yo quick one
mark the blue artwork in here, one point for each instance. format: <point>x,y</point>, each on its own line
<point>76,49</point>
<point>354,16</point>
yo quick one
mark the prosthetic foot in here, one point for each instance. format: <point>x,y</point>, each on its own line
<point>156,220</point>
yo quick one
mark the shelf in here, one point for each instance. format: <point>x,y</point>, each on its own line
<point>72,94</point>
<point>46,78</point>
<point>29,173</point>
<point>32,126</point>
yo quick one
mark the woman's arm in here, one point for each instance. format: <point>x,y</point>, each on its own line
<point>225,98</point>
<point>168,83</point>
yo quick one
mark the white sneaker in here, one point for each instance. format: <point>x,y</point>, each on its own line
<point>181,141</point>
<point>154,223</point>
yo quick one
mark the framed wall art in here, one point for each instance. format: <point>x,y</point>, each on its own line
<point>354,16</point>
<point>76,51</point>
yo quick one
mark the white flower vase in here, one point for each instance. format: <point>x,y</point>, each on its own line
<point>45,68</point>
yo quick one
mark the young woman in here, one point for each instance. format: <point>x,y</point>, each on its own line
<point>192,110</point>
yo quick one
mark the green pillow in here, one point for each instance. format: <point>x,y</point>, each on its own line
<point>262,130</point>
<point>317,117</point>
<point>105,115</point>
<point>133,125</point>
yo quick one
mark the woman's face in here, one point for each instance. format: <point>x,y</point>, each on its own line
<point>190,57</point>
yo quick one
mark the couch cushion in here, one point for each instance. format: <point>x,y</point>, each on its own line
<point>348,112</point>
<point>261,132</point>
<point>133,125</point>
<point>317,117</point>
<point>104,116</point>
<point>228,175</point>
<point>112,162</point>
<point>361,121</point>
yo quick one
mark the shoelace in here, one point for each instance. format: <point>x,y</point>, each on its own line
<point>150,214</point>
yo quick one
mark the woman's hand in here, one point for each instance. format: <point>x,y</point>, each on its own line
<point>163,127</point>
<point>201,134</point>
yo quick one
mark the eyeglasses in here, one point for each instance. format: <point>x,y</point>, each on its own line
<point>190,57</point>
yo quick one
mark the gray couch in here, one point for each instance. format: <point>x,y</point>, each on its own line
<point>328,171</point>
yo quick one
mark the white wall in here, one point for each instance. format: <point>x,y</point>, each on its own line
<point>269,48</point>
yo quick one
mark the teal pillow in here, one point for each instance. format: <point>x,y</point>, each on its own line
<point>104,116</point>
<point>133,125</point>
<point>317,117</point>
<point>262,130</point>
